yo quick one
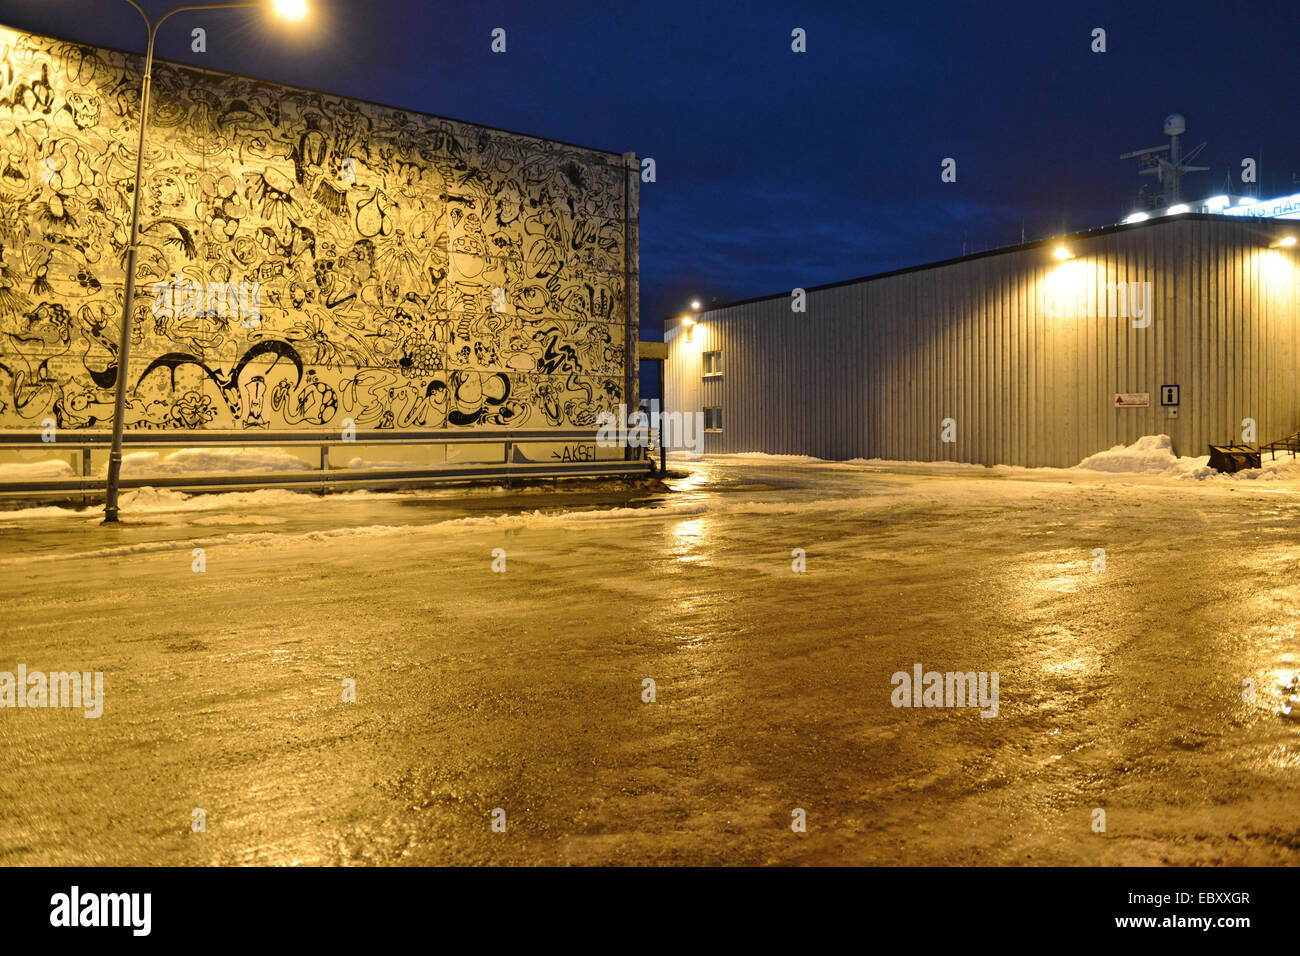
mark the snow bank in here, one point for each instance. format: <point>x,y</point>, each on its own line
<point>1150,455</point>
<point>889,463</point>
<point>1154,455</point>
<point>743,456</point>
<point>157,500</point>
<point>150,500</point>
<point>25,470</point>
<point>380,463</point>
<point>193,461</point>
<point>763,456</point>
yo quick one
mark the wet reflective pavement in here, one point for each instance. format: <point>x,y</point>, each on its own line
<point>1121,688</point>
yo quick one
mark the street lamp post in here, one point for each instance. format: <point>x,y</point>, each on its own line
<point>291,9</point>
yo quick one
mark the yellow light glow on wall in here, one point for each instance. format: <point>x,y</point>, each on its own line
<point>1064,292</point>
<point>1277,267</point>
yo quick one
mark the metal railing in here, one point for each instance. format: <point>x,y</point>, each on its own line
<point>509,467</point>
<point>1291,443</point>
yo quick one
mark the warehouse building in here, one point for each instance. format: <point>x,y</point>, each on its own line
<point>1039,354</point>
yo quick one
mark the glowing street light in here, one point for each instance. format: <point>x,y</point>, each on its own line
<point>1136,217</point>
<point>289,9</point>
<point>1177,209</point>
<point>695,304</point>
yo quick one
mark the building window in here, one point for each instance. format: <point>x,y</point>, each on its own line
<point>713,418</point>
<point>713,363</point>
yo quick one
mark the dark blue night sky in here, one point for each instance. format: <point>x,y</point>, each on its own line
<point>778,169</point>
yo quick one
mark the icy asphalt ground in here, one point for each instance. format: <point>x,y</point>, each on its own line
<point>1119,689</point>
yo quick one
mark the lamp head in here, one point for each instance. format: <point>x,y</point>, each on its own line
<point>289,9</point>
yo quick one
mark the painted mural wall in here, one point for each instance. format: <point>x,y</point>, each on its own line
<point>304,259</point>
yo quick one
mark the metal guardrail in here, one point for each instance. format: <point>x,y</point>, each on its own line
<point>182,439</point>
<point>88,487</point>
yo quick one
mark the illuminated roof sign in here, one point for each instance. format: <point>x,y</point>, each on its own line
<point>1284,207</point>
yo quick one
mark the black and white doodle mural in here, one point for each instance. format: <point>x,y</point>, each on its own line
<point>305,259</point>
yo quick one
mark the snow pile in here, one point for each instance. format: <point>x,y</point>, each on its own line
<point>1154,455</point>
<point>192,461</point>
<point>1149,455</point>
<point>31,470</point>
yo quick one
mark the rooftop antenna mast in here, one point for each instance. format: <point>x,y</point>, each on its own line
<point>1168,171</point>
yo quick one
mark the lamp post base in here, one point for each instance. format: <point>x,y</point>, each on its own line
<point>110,498</point>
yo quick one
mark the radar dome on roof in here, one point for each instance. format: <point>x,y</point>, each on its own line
<point>1175,124</point>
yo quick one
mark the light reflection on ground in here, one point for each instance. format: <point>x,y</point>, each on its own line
<point>1120,689</point>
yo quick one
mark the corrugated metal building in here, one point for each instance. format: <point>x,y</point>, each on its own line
<point>1026,353</point>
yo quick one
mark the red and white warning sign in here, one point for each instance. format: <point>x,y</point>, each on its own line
<point>1132,399</point>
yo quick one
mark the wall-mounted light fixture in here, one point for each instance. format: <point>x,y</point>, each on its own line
<point>1136,217</point>
<point>1177,209</point>
<point>1285,242</point>
<point>1062,252</point>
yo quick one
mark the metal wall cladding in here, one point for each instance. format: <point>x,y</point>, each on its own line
<point>1024,352</point>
